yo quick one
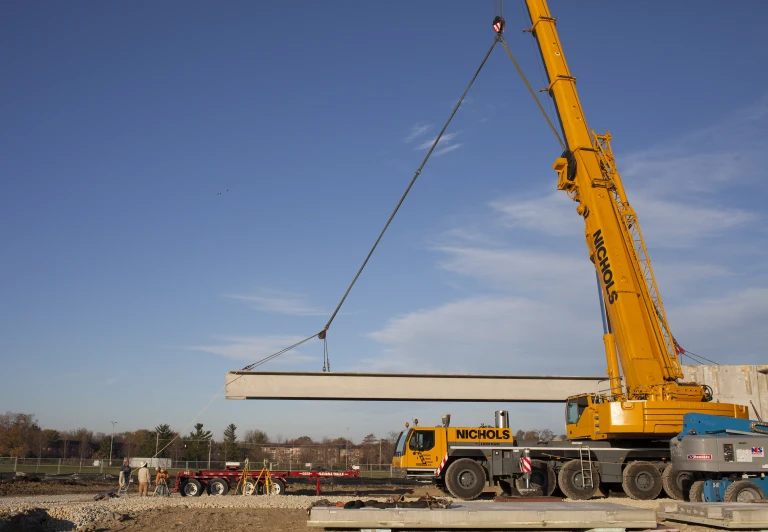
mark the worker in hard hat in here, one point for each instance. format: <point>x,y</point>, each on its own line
<point>143,476</point>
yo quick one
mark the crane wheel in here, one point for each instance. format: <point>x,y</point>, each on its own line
<point>217,487</point>
<point>696,493</point>
<point>542,477</point>
<point>744,491</point>
<point>676,484</point>
<point>465,479</point>
<point>571,481</point>
<point>641,481</point>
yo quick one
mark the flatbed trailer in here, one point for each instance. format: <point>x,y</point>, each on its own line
<point>221,482</point>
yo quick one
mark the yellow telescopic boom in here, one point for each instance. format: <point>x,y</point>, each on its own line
<point>636,325</point>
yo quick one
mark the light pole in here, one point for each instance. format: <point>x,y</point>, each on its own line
<point>111,440</point>
<point>380,452</point>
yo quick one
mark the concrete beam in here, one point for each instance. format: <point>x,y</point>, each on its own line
<point>399,387</point>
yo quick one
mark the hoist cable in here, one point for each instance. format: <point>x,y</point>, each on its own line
<point>322,334</point>
<point>533,94</point>
<point>416,175</point>
<point>277,354</point>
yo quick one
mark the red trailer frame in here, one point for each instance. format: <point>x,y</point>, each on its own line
<point>220,482</point>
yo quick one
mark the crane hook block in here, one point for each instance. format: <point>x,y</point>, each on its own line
<point>498,24</point>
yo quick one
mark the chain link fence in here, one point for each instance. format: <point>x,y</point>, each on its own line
<point>68,466</point>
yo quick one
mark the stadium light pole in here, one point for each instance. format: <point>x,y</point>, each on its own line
<point>111,440</point>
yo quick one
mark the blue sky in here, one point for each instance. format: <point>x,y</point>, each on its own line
<point>190,186</point>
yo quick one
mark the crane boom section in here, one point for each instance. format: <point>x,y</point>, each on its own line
<point>587,172</point>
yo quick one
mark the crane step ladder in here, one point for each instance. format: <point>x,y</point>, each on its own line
<point>585,459</point>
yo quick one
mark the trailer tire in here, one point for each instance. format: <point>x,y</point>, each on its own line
<point>696,493</point>
<point>676,483</point>
<point>743,491</point>
<point>465,479</point>
<point>641,481</point>
<point>542,476</point>
<point>508,488</point>
<point>278,487</point>
<point>571,481</point>
<point>191,488</point>
<point>218,487</point>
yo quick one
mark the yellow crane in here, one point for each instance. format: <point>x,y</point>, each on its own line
<point>638,341</point>
<point>622,435</point>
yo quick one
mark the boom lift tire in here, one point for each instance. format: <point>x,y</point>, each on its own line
<point>641,481</point>
<point>696,493</point>
<point>571,481</point>
<point>218,486</point>
<point>676,483</point>
<point>542,476</point>
<point>465,479</point>
<point>191,488</point>
<point>743,491</point>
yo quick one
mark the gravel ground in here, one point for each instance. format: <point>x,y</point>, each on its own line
<point>284,513</point>
<point>74,512</point>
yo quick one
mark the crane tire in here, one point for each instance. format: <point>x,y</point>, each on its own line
<point>465,479</point>
<point>217,487</point>
<point>696,493</point>
<point>508,488</point>
<point>571,481</point>
<point>641,481</point>
<point>191,488</point>
<point>542,476</point>
<point>676,483</point>
<point>743,491</point>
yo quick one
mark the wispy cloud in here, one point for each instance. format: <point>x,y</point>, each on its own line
<point>254,348</point>
<point>508,335</point>
<point>448,149</point>
<point>280,303</point>
<point>417,130</point>
<point>445,139</point>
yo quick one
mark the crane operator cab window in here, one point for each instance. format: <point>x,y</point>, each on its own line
<point>574,408</point>
<point>400,445</point>
<point>422,440</point>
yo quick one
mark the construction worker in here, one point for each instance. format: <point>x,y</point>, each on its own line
<point>125,474</point>
<point>143,476</point>
<point>161,482</point>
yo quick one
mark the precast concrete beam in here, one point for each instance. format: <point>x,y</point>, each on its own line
<point>407,387</point>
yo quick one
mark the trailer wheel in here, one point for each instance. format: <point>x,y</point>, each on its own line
<point>278,487</point>
<point>641,481</point>
<point>743,491</point>
<point>542,477</point>
<point>508,488</point>
<point>696,493</point>
<point>465,479</point>
<point>571,481</point>
<point>191,488</point>
<point>218,486</point>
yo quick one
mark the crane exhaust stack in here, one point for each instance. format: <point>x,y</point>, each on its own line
<point>501,419</point>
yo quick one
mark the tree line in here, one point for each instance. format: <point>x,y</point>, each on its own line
<point>21,436</point>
